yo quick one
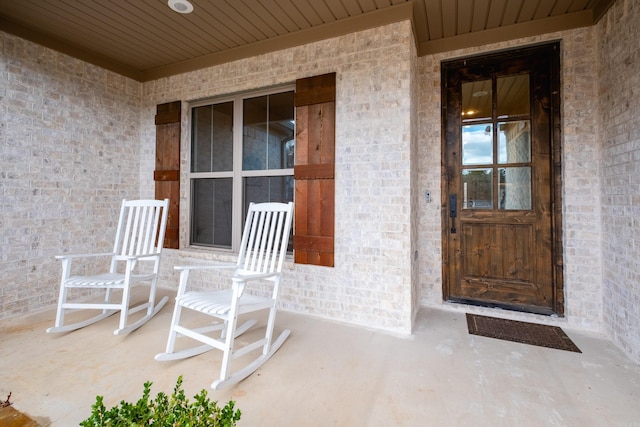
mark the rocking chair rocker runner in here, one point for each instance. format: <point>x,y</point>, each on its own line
<point>262,253</point>
<point>139,240</point>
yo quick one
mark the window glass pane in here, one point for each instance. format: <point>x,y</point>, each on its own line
<point>476,101</point>
<point>514,142</point>
<point>268,189</point>
<point>513,96</point>
<point>515,188</point>
<point>477,144</point>
<point>212,138</point>
<point>477,188</point>
<point>211,212</point>
<point>268,132</point>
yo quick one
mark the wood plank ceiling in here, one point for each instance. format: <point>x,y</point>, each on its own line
<point>145,39</point>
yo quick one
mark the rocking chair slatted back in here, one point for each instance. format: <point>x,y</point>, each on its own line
<point>142,234</point>
<point>264,248</point>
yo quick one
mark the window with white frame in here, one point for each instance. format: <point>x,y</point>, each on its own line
<point>242,151</point>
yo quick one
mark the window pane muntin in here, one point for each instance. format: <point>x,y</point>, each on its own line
<point>477,188</point>
<point>477,100</point>
<point>477,144</point>
<point>268,189</point>
<point>211,212</point>
<point>515,188</point>
<point>513,98</point>
<point>212,138</point>
<point>268,132</point>
<point>514,142</point>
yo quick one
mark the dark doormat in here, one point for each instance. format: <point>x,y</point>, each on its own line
<point>522,332</point>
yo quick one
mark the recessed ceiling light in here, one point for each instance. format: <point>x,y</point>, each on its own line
<point>180,6</point>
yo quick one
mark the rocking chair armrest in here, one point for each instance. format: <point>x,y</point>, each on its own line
<point>134,257</point>
<point>244,277</point>
<point>204,267</point>
<point>90,255</point>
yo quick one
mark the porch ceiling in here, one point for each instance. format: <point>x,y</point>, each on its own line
<point>146,40</point>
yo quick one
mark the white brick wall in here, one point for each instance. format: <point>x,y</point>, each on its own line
<point>619,94</point>
<point>69,152</point>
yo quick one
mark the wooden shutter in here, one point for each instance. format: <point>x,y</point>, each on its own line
<point>314,168</point>
<point>167,173</point>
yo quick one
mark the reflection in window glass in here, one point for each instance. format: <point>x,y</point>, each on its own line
<point>514,142</point>
<point>477,144</point>
<point>211,212</point>
<point>476,100</point>
<point>212,138</point>
<point>477,185</point>
<point>268,189</point>
<point>515,188</point>
<point>513,96</point>
<point>268,127</point>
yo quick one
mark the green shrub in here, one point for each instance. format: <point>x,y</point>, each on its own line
<point>164,411</point>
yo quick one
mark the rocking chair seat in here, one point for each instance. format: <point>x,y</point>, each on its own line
<point>219,302</point>
<point>106,280</point>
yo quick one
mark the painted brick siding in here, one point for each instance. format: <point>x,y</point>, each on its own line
<point>619,94</point>
<point>581,184</point>
<point>69,152</point>
<point>371,283</point>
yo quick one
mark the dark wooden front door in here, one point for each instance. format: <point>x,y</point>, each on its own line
<point>501,241</point>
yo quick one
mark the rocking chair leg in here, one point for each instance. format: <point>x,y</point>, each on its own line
<point>252,367</point>
<point>228,348</point>
<point>124,309</point>
<point>171,341</point>
<point>60,310</point>
<point>135,325</point>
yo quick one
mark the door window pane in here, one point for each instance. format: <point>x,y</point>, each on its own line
<point>513,96</point>
<point>477,188</point>
<point>268,131</point>
<point>514,142</point>
<point>212,138</point>
<point>477,144</point>
<point>211,212</point>
<point>477,99</point>
<point>515,188</point>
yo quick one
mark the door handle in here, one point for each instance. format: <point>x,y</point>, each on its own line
<point>453,211</point>
<point>453,205</point>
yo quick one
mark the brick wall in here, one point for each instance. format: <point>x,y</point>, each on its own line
<point>69,152</point>
<point>619,94</point>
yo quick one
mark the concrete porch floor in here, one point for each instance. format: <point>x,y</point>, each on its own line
<point>329,374</point>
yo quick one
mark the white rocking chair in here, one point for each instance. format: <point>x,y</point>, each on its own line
<point>139,239</point>
<point>262,253</point>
